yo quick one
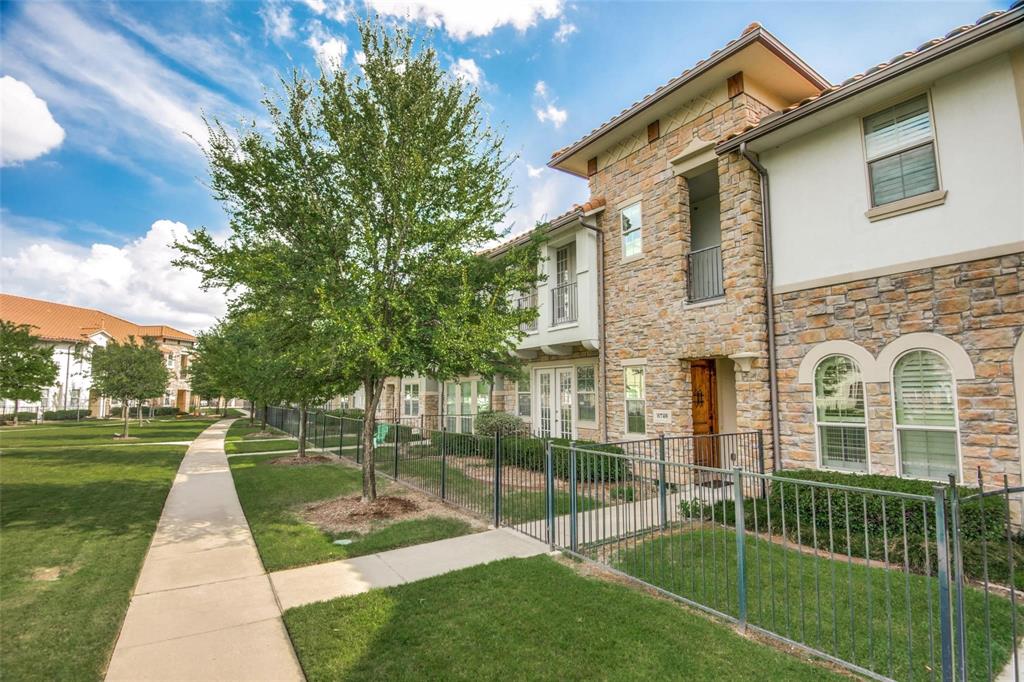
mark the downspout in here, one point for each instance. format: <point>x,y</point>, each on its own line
<point>769,294</point>
<point>600,323</point>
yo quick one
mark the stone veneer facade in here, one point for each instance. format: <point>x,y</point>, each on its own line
<point>978,304</point>
<point>646,312</point>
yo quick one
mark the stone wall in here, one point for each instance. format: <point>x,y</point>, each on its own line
<point>977,304</point>
<point>647,314</point>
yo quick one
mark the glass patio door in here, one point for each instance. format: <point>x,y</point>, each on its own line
<point>555,402</point>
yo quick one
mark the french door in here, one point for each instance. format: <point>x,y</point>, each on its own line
<point>555,402</point>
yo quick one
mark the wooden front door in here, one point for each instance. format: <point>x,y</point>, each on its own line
<point>704,400</point>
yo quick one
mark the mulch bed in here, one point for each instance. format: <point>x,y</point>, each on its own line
<point>350,514</point>
<point>295,460</point>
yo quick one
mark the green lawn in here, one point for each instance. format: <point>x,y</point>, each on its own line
<point>524,619</point>
<point>88,513</point>
<point>60,435</point>
<point>255,446</point>
<point>241,429</point>
<point>792,594</point>
<point>270,493</point>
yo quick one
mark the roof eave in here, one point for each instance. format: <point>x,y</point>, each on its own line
<point>981,32</point>
<point>759,34</point>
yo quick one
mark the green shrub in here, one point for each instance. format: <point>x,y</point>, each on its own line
<point>530,453</point>
<point>462,444</point>
<point>804,517</point>
<point>157,411</point>
<point>61,415</point>
<point>351,413</point>
<point>491,423</point>
<point>22,416</point>
<point>625,493</point>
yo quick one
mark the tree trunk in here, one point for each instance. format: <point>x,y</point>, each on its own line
<point>17,403</point>
<point>302,431</point>
<point>140,413</point>
<point>263,426</point>
<point>124,414</point>
<point>373,389</point>
<point>252,411</point>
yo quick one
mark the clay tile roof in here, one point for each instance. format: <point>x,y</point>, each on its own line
<point>60,322</point>
<point>592,204</point>
<point>923,47</point>
<point>752,26</point>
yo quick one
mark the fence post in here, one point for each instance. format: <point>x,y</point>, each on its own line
<point>662,493</point>
<point>942,550</point>
<point>760,461</point>
<point>444,464</point>
<point>573,501</point>
<point>549,474</point>
<point>398,430</point>
<point>741,541</point>
<point>957,564</point>
<point>497,480</point>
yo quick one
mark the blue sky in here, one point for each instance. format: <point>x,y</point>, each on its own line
<point>99,98</point>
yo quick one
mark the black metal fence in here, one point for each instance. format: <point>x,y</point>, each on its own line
<point>891,585</point>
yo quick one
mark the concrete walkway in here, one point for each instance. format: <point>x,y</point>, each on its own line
<point>203,608</point>
<point>298,586</point>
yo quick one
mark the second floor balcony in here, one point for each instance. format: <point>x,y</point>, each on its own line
<point>564,304</point>
<point>704,270</point>
<point>528,301</point>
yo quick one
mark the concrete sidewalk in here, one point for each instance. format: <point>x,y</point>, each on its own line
<point>320,582</point>
<point>203,608</point>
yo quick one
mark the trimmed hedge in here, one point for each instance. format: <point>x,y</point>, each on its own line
<point>22,416</point>
<point>528,452</point>
<point>60,415</point>
<point>157,411</point>
<point>352,413</point>
<point>981,521</point>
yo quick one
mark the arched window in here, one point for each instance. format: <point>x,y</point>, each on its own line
<point>839,414</point>
<point>926,427</point>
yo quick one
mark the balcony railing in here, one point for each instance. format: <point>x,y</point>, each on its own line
<point>528,301</point>
<point>563,304</point>
<point>705,274</point>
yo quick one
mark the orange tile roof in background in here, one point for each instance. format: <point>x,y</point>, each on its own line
<point>59,322</point>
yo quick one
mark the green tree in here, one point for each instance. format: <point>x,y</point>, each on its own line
<point>129,371</point>
<point>360,216</point>
<point>26,367</point>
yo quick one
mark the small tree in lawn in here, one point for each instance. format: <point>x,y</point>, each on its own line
<point>129,371</point>
<point>26,367</point>
<point>362,213</point>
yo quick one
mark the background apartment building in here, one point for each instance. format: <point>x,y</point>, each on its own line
<point>73,332</point>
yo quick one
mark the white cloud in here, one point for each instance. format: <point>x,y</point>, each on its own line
<point>114,97</point>
<point>360,57</point>
<point>135,281</point>
<point>565,29</point>
<point>534,171</point>
<point>277,21</point>
<point>545,107</point>
<point>27,129</point>
<point>336,10</point>
<point>462,19</point>
<point>467,71</point>
<point>330,50</point>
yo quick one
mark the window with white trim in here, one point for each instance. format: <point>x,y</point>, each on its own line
<point>586,394</point>
<point>411,400</point>
<point>900,146</point>
<point>483,396</point>
<point>926,430</point>
<point>636,401</point>
<point>632,230</point>
<point>169,360</point>
<point>839,413</point>
<point>523,397</point>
